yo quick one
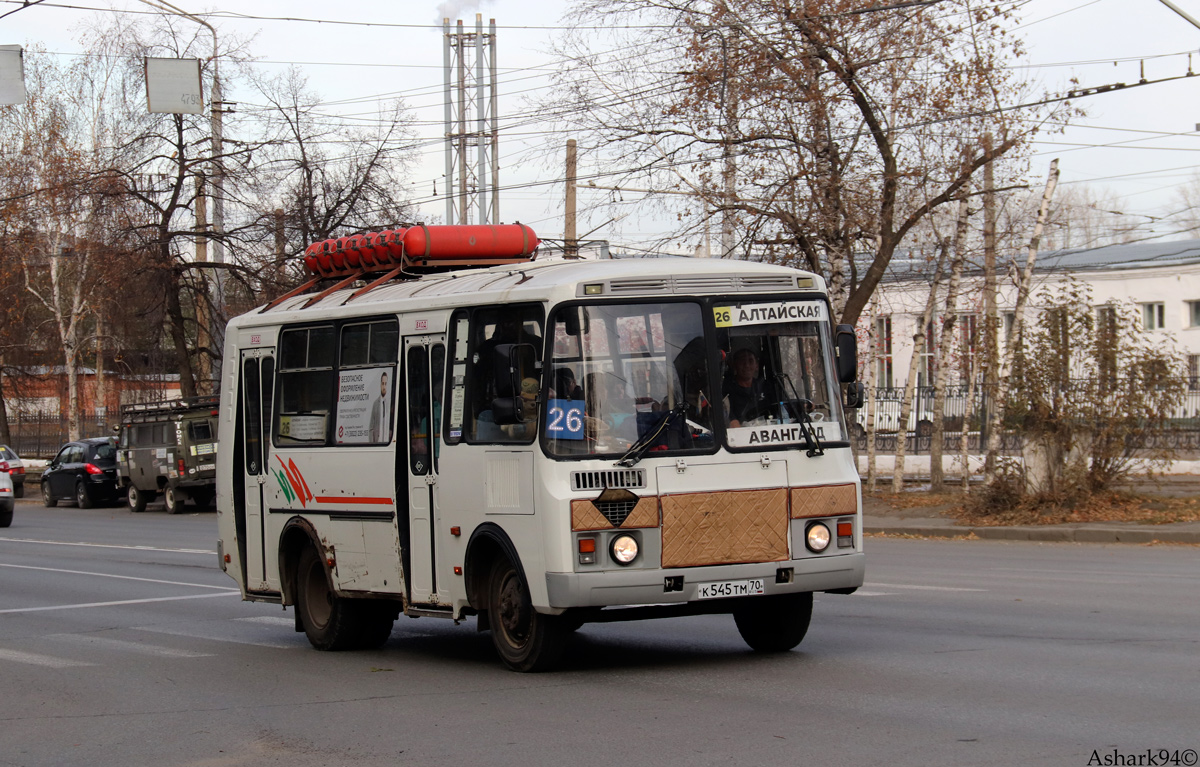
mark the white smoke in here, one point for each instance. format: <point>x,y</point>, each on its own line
<point>456,9</point>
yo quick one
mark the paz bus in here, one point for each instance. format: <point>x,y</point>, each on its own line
<point>437,424</point>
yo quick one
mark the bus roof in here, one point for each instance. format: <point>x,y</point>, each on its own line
<point>554,278</point>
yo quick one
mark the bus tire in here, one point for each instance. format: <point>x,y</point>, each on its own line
<point>137,499</point>
<point>330,622</point>
<point>375,619</point>
<point>525,639</point>
<point>775,624</point>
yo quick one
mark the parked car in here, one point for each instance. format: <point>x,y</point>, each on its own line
<point>6,500</point>
<point>84,472</point>
<point>16,470</point>
<point>170,448</point>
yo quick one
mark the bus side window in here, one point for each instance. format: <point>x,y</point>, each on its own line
<point>473,374</point>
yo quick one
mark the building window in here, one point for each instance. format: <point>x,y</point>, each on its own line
<point>1010,323</point>
<point>927,365</point>
<point>968,340</point>
<point>1193,372</point>
<point>1193,314</point>
<point>1153,315</point>
<point>883,352</point>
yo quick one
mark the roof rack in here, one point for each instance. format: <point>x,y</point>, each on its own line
<point>407,253</point>
<point>139,410</point>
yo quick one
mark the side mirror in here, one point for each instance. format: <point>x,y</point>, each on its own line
<point>506,367</point>
<point>508,410</point>
<point>847,354</point>
<point>856,395</point>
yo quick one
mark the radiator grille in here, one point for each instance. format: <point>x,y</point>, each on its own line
<point>628,479</point>
<point>616,511</point>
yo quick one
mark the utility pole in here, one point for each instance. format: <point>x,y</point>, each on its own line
<point>991,338</point>
<point>569,224</point>
<point>203,313</point>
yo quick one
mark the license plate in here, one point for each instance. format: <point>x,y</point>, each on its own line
<point>720,589</point>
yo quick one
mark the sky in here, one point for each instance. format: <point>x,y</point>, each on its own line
<point>1138,144</point>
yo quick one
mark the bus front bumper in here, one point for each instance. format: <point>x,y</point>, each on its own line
<point>649,586</point>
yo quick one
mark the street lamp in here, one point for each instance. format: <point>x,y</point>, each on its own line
<point>216,103</point>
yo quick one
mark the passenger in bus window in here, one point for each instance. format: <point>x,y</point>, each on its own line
<point>565,385</point>
<point>529,397</point>
<point>746,392</point>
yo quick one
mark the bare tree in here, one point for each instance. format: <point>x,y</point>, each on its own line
<point>822,131</point>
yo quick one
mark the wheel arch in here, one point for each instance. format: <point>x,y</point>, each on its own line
<point>487,543</point>
<point>297,534</point>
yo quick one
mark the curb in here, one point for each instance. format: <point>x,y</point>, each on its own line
<point>1048,533</point>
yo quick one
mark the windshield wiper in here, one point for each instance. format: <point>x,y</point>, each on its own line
<point>642,446</point>
<point>803,405</point>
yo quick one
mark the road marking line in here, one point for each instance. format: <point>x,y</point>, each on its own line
<point>269,620</point>
<point>193,635</point>
<point>107,546</point>
<point>920,588</point>
<point>116,603</point>
<point>119,577</point>
<point>40,660</point>
<point>127,646</point>
<point>865,593</point>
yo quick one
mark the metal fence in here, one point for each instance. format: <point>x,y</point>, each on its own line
<point>41,436</point>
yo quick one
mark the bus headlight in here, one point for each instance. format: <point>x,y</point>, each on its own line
<point>817,537</point>
<point>624,549</point>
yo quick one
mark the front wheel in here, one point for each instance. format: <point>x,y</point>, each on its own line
<point>775,624</point>
<point>173,500</point>
<point>82,499</point>
<point>330,622</point>
<point>525,639</point>
<point>47,498</point>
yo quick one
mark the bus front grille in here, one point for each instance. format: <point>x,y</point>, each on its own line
<point>625,479</point>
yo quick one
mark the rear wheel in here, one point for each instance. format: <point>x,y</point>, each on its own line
<point>137,499</point>
<point>173,500</point>
<point>6,518</point>
<point>203,498</point>
<point>19,491</point>
<point>775,624</point>
<point>47,499</point>
<point>525,639</point>
<point>330,622</point>
<point>82,499</point>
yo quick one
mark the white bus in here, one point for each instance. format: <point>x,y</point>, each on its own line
<point>540,444</point>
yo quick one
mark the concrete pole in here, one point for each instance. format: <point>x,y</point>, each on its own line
<point>495,114</point>
<point>569,230</point>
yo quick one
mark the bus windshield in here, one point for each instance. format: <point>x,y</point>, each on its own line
<point>778,374</point>
<point>617,374</point>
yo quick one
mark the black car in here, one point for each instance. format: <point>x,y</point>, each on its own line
<point>84,472</point>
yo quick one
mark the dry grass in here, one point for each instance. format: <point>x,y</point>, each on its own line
<point>1099,507</point>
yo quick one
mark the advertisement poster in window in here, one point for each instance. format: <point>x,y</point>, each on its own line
<point>364,410</point>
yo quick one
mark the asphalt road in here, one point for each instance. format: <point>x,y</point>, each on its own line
<point>121,643</point>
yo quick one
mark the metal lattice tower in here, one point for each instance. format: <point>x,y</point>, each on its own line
<point>471,123</point>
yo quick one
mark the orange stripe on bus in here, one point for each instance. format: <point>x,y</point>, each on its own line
<point>350,499</point>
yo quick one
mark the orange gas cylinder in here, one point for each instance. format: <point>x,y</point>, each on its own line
<point>369,249</point>
<point>354,244</point>
<point>338,251</point>
<point>310,257</point>
<point>465,242</point>
<point>393,245</point>
<point>324,260</point>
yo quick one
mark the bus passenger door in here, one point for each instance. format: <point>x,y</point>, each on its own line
<point>424,365</point>
<point>258,387</point>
